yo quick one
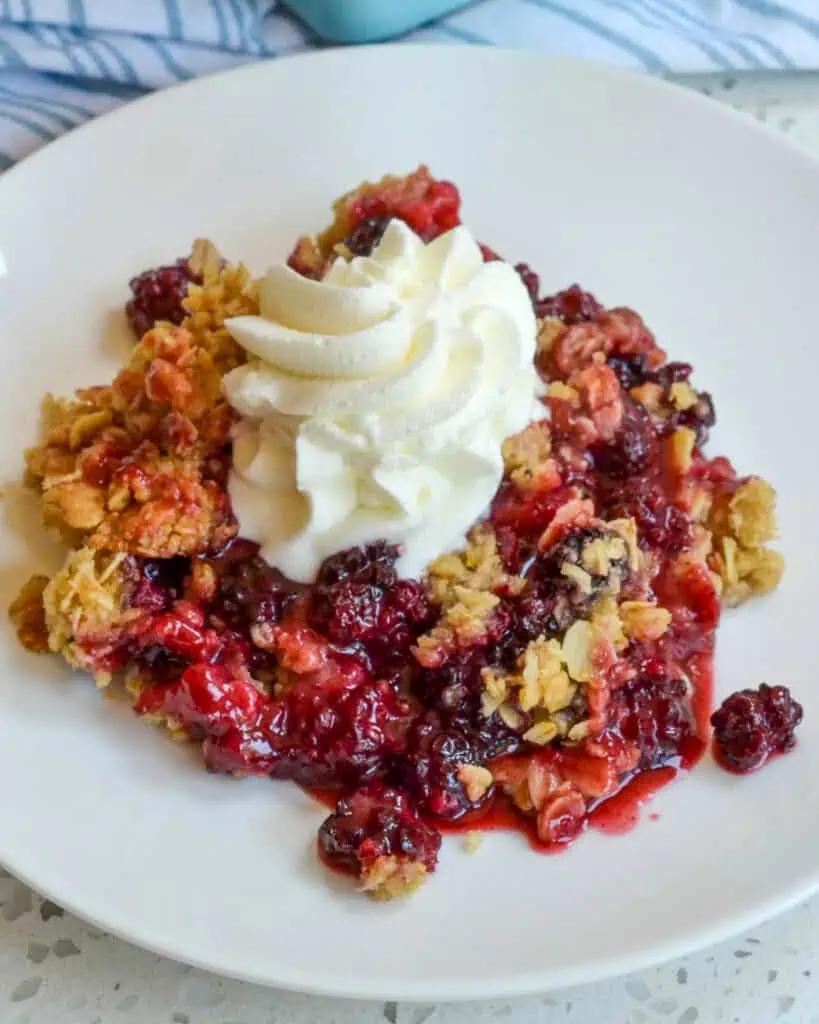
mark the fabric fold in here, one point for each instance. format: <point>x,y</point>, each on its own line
<point>63,61</point>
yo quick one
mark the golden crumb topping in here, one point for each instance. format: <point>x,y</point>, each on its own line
<point>391,877</point>
<point>476,780</point>
<point>477,567</point>
<point>644,621</point>
<point>463,623</point>
<point>28,615</point>
<point>525,455</point>
<point>741,522</point>
<point>84,604</point>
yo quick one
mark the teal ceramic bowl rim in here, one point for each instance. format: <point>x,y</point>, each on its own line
<point>365,21</point>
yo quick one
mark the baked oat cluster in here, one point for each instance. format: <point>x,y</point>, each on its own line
<point>565,649</point>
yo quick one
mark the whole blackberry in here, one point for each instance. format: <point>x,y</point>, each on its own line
<point>159,294</point>
<point>753,724</point>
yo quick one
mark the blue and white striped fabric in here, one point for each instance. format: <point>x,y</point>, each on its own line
<point>64,61</point>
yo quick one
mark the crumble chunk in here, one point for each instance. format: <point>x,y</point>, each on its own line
<point>540,686</point>
<point>751,513</point>
<point>559,389</point>
<point>28,615</point>
<point>649,395</point>
<point>550,329</point>
<point>746,572</point>
<point>741,522</point>
<point>473,841</point>
<point>476,567</point>
<point>682,396</point>
<point>86,612</point>
<point>643,620</point>
<point>463,624</point>
<point>536,788</point>
<point>627,528</point>
<point>525,455</point>
<point>593,558</point>
<point>391,877</point>
<point>111,458</point>
<point>681,449</point>
<point>543,680</point>
<point>476,780</point>
<point>73,505</point>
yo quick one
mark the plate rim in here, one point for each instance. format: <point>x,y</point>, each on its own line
<point>682,92</point>
<point>506,987</point>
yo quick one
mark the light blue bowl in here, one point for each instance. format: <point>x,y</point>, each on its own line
<point>367,21</point>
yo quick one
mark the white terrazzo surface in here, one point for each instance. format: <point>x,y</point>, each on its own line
<point>56,970</point>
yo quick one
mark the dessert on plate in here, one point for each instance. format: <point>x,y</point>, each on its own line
<point>389,523</point>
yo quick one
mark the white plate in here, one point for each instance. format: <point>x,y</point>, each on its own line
<point>648,195</point>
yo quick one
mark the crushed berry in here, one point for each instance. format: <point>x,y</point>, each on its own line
<point>654,714</point>
<point>373,564</point>
<point>572,306</point>
<point>249,747</point>
<point>527,511</point>
<point>150,597</point>
<point>374,822</point>
<point>671,373</point>
<point>429,769</point>
<point>366,236</point>
<point>384,622</point>
<point>341,734</point>
<point>699,418</point>
<point>534,615</point>
<point>660,525</point>
<point>249,592</point>
<point>530,280</point>
<point>354,612</point>
<point>160,664</point>
<point>429,214</point>
<point>184,635</point>
<point>360,604</point>
<point>632,450</point>
<point>159,294</point>
<point>751,725</point>
<point>454,691</point>
<point>207,696</point>
<point>330,731</point>
<point>631,371</point>
<point>159,583</point>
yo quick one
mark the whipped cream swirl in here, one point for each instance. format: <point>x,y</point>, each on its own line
<point>375,402</point>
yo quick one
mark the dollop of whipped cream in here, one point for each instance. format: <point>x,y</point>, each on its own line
<point>375,402</point>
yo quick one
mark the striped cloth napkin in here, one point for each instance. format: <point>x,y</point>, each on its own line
<point>64,61</point>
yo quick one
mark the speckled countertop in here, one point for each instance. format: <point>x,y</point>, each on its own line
<point>56,970</point>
